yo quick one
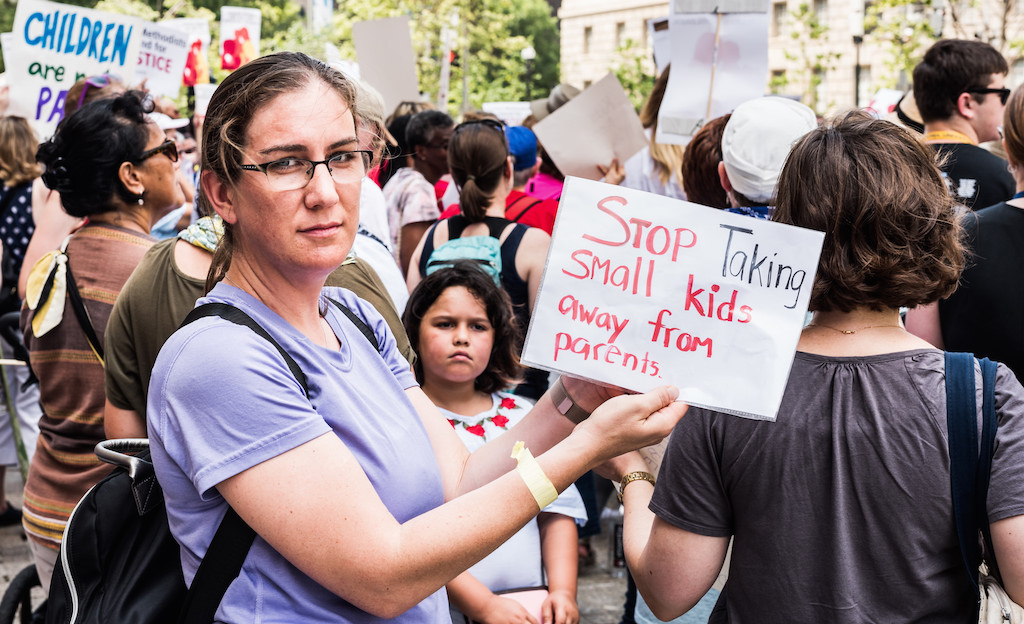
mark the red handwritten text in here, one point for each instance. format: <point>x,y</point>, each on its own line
<point>572,307</point>
<point>683,341</point>
<point>657,240</point>
<point>628,278</point>
<point>608,353</point>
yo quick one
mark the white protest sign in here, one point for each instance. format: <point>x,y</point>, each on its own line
<point>641,290</point>
<point>197,64</point>
<point>162,54</point>
<point>719,61</point>
<point>57,44</point>
<point>512,113</point>
<point>386,59</point>
<point>204,91</point>
<point>661,45</point>
<point>239,36</point>
<point>591,129</point>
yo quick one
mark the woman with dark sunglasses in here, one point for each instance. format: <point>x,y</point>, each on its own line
<point>482,168</point>
<point>114,168</point>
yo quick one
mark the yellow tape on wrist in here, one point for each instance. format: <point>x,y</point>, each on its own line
<point>543,490</point>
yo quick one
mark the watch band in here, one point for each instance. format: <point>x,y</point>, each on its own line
<point>639,475</point>
<point>566,405</point>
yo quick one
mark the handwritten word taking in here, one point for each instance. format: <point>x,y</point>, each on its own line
<point>71,33</point>
<point>611,353</point>
<point>746,265</point>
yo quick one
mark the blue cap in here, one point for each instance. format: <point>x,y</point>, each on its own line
<point>522,144</point>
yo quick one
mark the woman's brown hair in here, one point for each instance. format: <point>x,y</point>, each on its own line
<point>892,237</point>
<point>232,107</point>
<point>477,157</point>
<point>1013,127</point>
<point>18,145</point>
<point>668,158</point>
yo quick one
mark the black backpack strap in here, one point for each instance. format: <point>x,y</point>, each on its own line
<point>456,224</point>
<point>231,313</point>
<point>990,424</point>
<point>360,324</point>
<point>220,566</point>
<point>428,248</point>
<point>962,427</point>
<point>82,314</point>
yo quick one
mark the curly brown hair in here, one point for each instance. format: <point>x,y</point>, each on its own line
<point>892,237</point>
<point>503,369</point>
<point>700,165</point>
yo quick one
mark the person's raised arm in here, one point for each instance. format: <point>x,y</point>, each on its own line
<point>316,506</point>
<point>673,568</point>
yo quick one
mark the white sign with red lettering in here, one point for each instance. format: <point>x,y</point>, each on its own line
<point>641,290</point>
<point>162,54</point>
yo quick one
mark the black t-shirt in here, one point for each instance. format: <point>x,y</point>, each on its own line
<point>976,177</point>
<point>985,315</point>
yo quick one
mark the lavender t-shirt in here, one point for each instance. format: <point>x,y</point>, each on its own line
<point>222,400</point>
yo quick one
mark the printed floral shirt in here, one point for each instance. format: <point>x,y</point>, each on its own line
<point>475,431</point>
<point>507,410</point>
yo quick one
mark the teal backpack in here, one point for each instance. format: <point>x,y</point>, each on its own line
<point>483,250</point>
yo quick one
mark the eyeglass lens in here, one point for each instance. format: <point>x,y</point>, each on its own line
<point>289,174</point>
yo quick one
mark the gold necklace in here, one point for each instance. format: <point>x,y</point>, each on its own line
<point>849,332</point>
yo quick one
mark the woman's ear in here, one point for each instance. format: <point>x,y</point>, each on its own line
<point>219,195</point>
<point>131,178</point>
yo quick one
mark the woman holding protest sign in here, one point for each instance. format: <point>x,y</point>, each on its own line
<point>482,168</point>
<point>841,509</point>
<point>355,488</point>
<point>114,166</point>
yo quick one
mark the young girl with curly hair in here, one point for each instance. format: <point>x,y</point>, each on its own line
<point>461,325</point>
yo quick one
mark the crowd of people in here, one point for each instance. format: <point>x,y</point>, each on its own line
<point>416,471</point>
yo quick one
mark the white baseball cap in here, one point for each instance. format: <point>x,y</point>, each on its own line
<point>165,122</point>
<point>757,140</point>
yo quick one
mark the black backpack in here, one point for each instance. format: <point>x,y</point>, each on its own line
<point>119,562</point>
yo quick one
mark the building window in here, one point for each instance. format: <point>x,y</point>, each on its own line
<point>587,83</point>
<point>588,35</point>
<point>821,10</point>
<point>1016,75</point>
<point>620,34</point>
<point>778,82</point>
<point>778,18</point>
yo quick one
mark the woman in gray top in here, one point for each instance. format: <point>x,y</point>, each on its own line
<point>840,510</point>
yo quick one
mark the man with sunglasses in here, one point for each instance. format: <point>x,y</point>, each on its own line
<point>960,91</point>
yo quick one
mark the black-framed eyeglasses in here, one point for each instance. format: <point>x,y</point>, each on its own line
<point>291,174</point>
<point>168,147</point>
<point>1004,93</point>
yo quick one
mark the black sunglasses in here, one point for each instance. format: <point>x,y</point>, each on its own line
<point>1004,93</point>
<point>167,147</point>
<point>490,123</point>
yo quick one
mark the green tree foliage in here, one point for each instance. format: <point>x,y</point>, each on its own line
<point>633,72</point>
<point>810,37</point>
<point>903,29</point>
<point>490,35</point>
